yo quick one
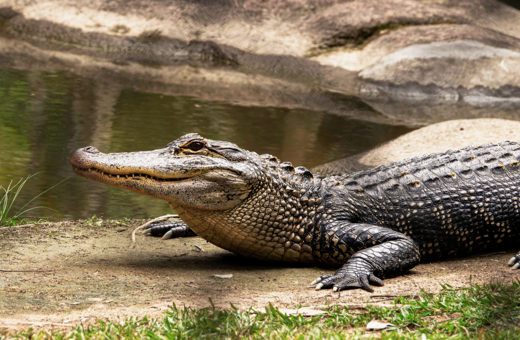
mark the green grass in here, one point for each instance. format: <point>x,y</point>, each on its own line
<point>94,220</point>
<point>490,311</point>
<point>9,195</point>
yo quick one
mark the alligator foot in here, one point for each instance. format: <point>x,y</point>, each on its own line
<point>384,253</point>
<point>169,230</point>
<point>514,262</point>
<point>343,280</point>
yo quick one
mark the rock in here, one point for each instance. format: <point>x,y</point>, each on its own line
<point>393,40</point>
<point>355,22</point>
<point>464,52</point>
<point>7,13</point>
<point>439,137</point>
<point>377,325</point>
<point>451,54</point>
<point>456,67</point>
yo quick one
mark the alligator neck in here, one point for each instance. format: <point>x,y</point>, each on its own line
<point>273,223</point>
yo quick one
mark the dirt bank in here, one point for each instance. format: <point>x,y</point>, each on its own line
<point>76,272</point>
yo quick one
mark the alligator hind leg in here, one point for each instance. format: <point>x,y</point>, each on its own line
<point>169,230</point>
<point>514,262</point>
<point>381,252</point>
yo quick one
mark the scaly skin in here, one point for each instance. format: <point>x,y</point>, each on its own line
<point>373,224</point>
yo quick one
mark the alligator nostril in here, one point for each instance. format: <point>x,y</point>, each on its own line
<point>91,149</point>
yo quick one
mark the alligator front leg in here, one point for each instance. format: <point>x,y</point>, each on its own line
<point>169,230</point>
<point>377,253</point>
<point>514,262</point>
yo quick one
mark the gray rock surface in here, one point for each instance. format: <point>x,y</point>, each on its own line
<point>390,41</point>
<point>410,51</point>
<point>454,67</point>
<point>466,63</point>
<point>439,137</point>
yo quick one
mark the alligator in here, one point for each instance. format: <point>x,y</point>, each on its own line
<point>371,225</point>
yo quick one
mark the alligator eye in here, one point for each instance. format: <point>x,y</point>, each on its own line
<point>196,146</point>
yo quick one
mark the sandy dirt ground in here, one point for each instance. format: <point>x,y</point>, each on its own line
<point>65,273</point>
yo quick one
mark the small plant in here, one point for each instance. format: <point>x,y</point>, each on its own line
<point>9,196</point>
<point>92,221</point>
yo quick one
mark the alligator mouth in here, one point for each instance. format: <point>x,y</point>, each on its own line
<point>99,175</point>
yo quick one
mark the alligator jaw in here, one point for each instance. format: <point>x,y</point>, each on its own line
<point>192,180</point>
<point>120,178</point>
<point>120,171</point>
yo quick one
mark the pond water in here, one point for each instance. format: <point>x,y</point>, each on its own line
<point>45,116</point>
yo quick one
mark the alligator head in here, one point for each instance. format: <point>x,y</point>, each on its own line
<point>229,196</point>
<point>191,171</point>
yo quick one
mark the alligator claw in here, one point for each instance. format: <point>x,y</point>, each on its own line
<point>362,281</point>
<point>321,278</point>
<point>168,235</point>
<point>514,262</point>
<point>169,230</point>
<point>340,281</point>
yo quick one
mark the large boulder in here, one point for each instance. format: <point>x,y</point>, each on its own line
<point>439,137</point>
<point>457,68</point>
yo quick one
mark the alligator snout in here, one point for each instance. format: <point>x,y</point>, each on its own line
<point>80,157</point>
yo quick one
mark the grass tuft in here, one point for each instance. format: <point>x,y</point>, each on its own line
<point>10,193</point>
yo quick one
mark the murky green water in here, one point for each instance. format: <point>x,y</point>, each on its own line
<point>44,117</point>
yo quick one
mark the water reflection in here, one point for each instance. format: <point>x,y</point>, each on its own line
<point>44,117</point>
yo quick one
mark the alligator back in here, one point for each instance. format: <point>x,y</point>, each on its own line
<point>451,203</point>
